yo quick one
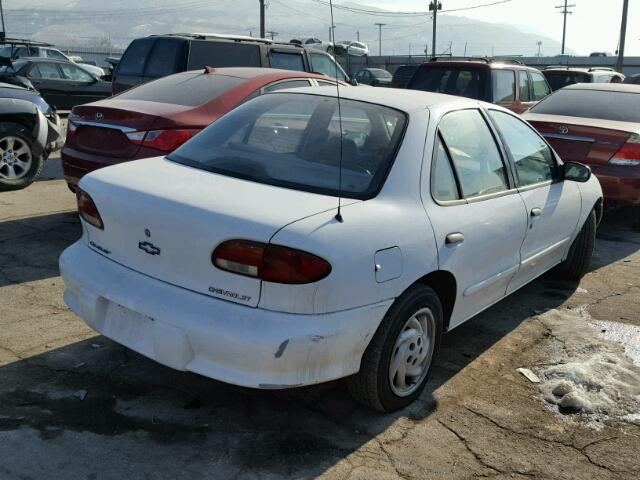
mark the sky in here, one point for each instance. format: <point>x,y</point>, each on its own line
<point>593,26</point>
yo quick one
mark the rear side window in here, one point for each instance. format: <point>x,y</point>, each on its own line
<point>525,92</point>
<point>287,84</point>
<point>504,86</point>
<point>540,87</point>
<point>324,64</point>
<point>443,182</point>
<point>287,61</point>
<point>55,54</point>
<point>189,89</point>
<point>474,152</point>
<point>462,82</point>
<point>135,57</point>
<point>167,57</point>
<point>619,106</point>
<point>222,54</point>
<point>45,70</point>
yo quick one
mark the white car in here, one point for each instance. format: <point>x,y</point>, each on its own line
<point>356,49</point>
<point>49,52</point>
<point>231,257</point>
<point>316,43</point>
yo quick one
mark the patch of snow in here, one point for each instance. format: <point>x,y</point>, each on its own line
<point>627,335</point>
<point>582,290</point>
<point>589,373</point>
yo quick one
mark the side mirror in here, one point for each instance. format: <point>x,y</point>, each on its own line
<point>576,172</point>
<point>353,82</point>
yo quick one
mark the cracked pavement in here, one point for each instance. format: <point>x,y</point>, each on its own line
<point>478,417</point>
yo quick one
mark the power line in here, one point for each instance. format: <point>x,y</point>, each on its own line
<point>389,13</point>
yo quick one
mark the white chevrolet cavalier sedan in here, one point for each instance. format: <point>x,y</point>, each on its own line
<point>230,257</point>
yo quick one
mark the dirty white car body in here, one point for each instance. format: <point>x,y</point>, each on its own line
<point>146,280</point>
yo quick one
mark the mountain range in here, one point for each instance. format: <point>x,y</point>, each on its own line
<point>82,23</point>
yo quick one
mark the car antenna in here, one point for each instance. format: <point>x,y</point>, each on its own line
<point>332,38</point>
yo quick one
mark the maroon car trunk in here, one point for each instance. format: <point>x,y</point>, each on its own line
<point>591,142</point>
<point>103,129</point>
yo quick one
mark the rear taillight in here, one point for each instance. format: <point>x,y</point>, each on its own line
<point>163,140</point>
<point>88,210</point>
<point>629,153</point>
<point>271,263</point>
<point>71,128</point>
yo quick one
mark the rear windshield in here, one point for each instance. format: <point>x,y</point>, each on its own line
<point>462,82</point>
<point>189,89</point>
<point>222,54</point>
<point>17,65</point>
<point>618,106</point>
<point>294,141</point>
<point>557,80</point>
<point>379,73</point>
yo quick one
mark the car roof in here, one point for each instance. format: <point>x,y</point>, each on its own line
<point>255,72</point>
<point>605,87</point>
<point>401,99</point>
<point>43,60</point>
<point>479,63</point>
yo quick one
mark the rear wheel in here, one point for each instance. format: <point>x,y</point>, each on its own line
<point>396,365</point>
<point>19,165</point>
<point>581,251</point>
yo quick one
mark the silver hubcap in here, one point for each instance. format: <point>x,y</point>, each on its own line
<point>15,158</point>
<point>412,353</point>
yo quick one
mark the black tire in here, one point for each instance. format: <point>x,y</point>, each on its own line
<point>371,386</point>
<point>9,129</point>
<point>579,259</point>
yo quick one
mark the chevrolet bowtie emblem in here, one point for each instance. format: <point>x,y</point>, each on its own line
<point>149,248</point>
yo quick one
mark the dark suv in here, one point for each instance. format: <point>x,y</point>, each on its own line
<point>504,82</point>
<point>157,56</point>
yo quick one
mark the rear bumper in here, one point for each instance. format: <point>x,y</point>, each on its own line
<point>76,163</point>
<point>225,341</point>
<point>620,184</point>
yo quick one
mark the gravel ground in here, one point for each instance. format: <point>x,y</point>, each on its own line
<point>76,405</point>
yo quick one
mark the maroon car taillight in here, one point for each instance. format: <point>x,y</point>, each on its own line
<point>163,140</point>
<point>88,210</point>
<point>629,153</point>
<point>271,263</point>
<point>71,128</point>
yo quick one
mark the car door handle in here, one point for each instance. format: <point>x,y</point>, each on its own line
<point>536,212</point>
<point>454,238</point>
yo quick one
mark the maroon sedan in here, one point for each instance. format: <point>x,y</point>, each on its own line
<point>155,118</point>
<point>598,125</point>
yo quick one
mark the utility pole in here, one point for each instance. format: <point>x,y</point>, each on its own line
<point>380,25</point>
<point>623,35</point>
<point>565,11</point>
<point>272,34</point>
<point>434,6</point>
<point>358,35</point>
<point>262,31</point>
<point>3,34</point>
<point>539,43</point>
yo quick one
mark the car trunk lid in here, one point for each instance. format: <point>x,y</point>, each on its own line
<point>164,220</point>
<point>102,127</point>
<point>591,141</point>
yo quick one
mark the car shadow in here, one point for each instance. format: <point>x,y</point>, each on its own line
<point>98,387</point>
<point>30,247</point>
